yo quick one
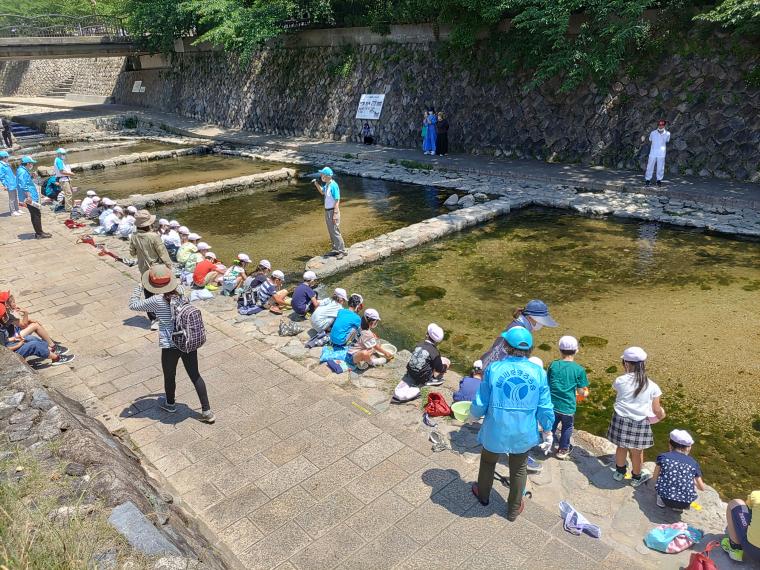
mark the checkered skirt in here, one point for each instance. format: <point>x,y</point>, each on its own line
<point>630,434</point>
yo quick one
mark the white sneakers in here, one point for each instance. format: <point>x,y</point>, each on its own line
<point>17,213</point>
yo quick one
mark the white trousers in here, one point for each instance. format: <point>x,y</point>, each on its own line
<point>660,161</point>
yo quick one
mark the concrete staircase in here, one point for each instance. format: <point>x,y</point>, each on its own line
<point>61,89</point>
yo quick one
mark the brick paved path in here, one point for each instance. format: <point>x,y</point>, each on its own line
<point>293,474</point>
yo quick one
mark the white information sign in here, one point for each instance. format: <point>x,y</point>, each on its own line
<point>136,87</point>
<point>370,106</point>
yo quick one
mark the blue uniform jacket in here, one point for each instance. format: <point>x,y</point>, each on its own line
<point>7,178</point>
<point>26,185</point>
<point>514,398</point>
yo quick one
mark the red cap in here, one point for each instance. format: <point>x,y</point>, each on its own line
<point>662,122</point>
<point>2,310</point>
<point>4,296</point>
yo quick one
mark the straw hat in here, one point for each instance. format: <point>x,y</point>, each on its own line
<point>159,279</point>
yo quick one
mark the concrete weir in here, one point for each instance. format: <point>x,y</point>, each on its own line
<point>201,190</point>
<point>128,159</point>
<point>409,237</point>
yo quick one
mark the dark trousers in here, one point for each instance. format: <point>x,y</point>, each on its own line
<point>36,216</point>
<point>518,477</point>
<point>442,143</point>
<point>7,139</point>
<point>169,359</point>
<point>148,295</point>
<point>567,421</point>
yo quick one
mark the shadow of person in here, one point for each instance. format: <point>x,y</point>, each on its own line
<point>598,469</point>
<point>27,236</point>
<point>137,321</point>
<point>148,407</point>
<point>450,491</point>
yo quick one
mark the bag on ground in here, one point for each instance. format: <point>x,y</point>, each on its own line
<point>672,538</point>
<point>702,560</point>
<point>189,332</point>
<point>437,406</point>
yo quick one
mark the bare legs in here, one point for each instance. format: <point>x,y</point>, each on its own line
<point>637,458</point>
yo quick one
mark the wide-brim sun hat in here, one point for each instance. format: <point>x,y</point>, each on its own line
<point>539,312</point>
<point>519,338</point>
<point>159,279</point>
<point>144,218</point>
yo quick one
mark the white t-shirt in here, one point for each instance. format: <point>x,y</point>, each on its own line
<point>111,220</point>
<point>659,142</point>
<point>86,203</point>
<point>324,315</point>
<point>171,237</point>
<point>636,408</point>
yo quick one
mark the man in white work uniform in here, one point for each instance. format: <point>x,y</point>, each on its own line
<point>659,139</point>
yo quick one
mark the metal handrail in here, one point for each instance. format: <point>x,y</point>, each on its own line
<point>61,25</point>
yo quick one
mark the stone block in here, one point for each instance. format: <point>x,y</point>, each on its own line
<point>375,451</point>
<point>140,532</point>
<point>329,550</point>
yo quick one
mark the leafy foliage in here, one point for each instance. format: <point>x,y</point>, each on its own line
<point>743,16</point>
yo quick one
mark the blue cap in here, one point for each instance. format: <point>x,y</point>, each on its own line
<point>60,150</point>
<point>28,160</point>
<point>327,171</point>
<point>4,154</point>
<point>518,337</point>
<point>538,311</point>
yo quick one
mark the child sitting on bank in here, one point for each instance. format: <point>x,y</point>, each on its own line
<point>677,474</point>
<point>263,269</point>
<point>271,295</point>
<point>188,246</point>
<point>468,386</point>
<point>426,367</point>
<point>347,323</point>
<point>567,379</point>
<point>305,299</point>
<point>232,281</point>
<point>362,352</point>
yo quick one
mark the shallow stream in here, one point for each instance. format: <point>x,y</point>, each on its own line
<point>167,174</point>
<point>688,298</point>
<point>287,226</point>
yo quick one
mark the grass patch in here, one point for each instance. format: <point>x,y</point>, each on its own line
<point>31,539</point>
<point>130,123</point>
<point>415,164</point>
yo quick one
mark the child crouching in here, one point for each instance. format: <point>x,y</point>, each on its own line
<point>678,475</point>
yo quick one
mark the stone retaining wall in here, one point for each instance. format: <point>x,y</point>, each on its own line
<point>93,146</point>
<point>128,159</point>
<point>409,237</point>
<point>33,78</point>
<point>713,111</point>
<point>282,175</point>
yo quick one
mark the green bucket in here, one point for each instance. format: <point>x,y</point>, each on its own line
<point>461,410</point>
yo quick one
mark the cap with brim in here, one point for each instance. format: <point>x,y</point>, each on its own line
<point>118,209</point>
<point>91,193</point>
<point>634,354</point>
<point>60,151</point>
<point>184,230</point>
<point>163,222</point>
<point>243,258</point>
<point>435,332</point>
<point>4,154</point>
<point>193,236</point>
<point>96,198</point>
<point>4,296</point>
<point>568,343</point>
<point>341,293</point>
<point>174,224</point>
<point>3,310</point>
<point>519,338</point>
<point>144,218</point>
<point>210,255</point>
<point>203,246</point>
<point>131,209</point>
<point>277,274</point>
<point>309,276</point>
<point>372,314</point>
<point>538,311</point>
<point>327,171</point>
<point>478,365</point>
<point>681,437</point>
<point>28,160</point>
<point>159,279</point>
<point>265,263</point>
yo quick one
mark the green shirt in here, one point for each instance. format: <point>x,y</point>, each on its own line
<point>564,379</point>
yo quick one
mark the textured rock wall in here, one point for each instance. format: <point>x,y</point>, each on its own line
<point>714,114</point>
<point>92,76</point>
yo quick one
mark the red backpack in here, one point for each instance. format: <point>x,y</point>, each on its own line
<point>437,406</point>
<point>702,560</point>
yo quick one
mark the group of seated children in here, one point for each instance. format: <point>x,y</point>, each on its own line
<point>25,337</point>
<point>113,219</point>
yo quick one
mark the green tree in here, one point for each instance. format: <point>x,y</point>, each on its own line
<point>742,16</point>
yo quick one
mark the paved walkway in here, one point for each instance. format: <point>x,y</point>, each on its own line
<point>708,190</point>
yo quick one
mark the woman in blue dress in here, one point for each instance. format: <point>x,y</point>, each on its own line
<point>428,144</point>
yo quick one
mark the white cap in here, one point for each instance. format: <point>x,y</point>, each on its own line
<point>210,255</point>
<point>118,209</point>
<point>163,222</point>
<point>131,209</point>
<point>536,360</point>
<point>184,230</point>
<point>634,354</point>
<point>340,293</point>
<point>265,263</point>
<point>243,257</point>
<point>478,365</point>
<point>568,343</point>
<point>108,202</point>
<point>372,314</point>
<point>91,193</point>
<point>277,274</point>
<point>174,224</point>
<point>681,437</point>
<point>309,276</point>
<point>203,246</point>
<point>130,219</point>
<point>193,237</point>
<point>435,332</point>
<point>96,199</point>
